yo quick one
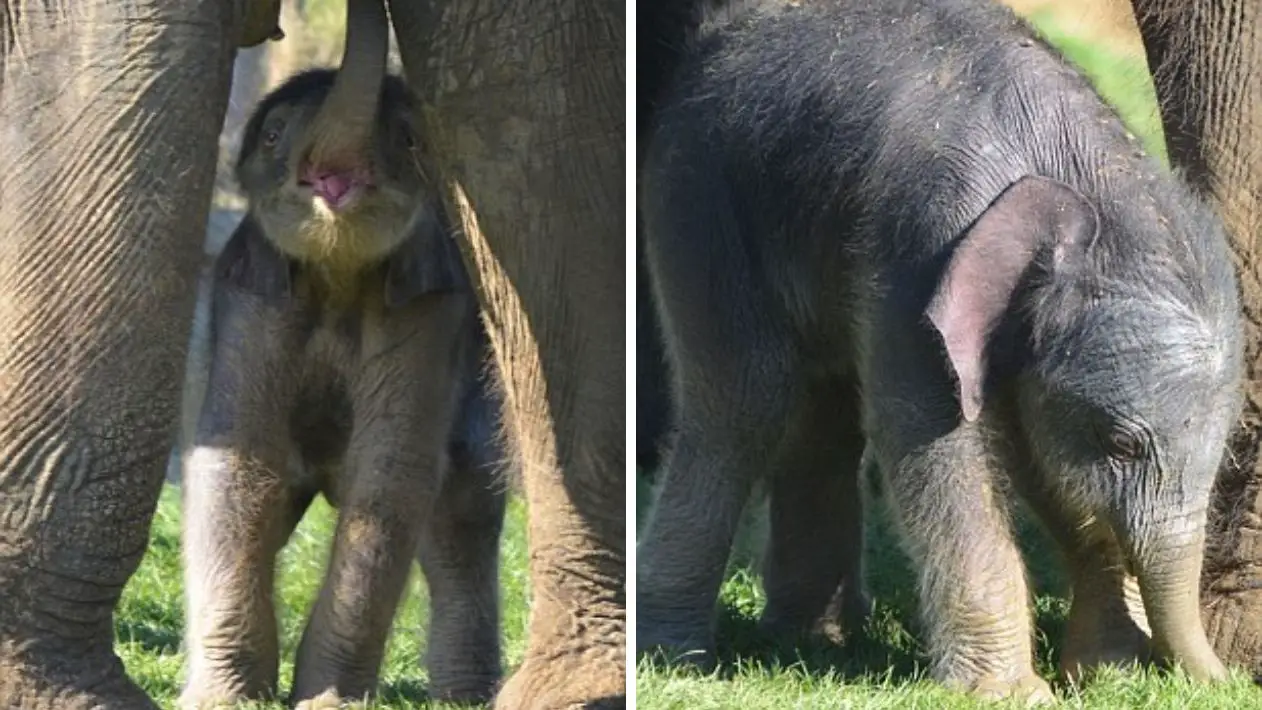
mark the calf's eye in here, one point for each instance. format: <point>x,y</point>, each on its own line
<point>1124,444</point>
<point>271,138</point>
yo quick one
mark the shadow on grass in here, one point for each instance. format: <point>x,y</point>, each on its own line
<point>414,693</point>
<point>150,637</point>
<point>150,625</point>
<point>883,648</point>
<point>405,691</point>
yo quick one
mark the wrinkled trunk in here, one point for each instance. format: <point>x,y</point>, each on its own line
<point>1206,57</point>
<point>1168,582</point>
<point>343,127</point>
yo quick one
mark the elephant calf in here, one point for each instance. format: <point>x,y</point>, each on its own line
<point>346,356</point>
<point>912,222</point>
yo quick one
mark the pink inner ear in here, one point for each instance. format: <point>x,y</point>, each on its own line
<point>982,275</point>
<point>975,291</point>
<point>962,335</point>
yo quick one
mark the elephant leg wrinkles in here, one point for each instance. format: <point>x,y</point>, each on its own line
<point>524,102</point>
<point>111,114</point>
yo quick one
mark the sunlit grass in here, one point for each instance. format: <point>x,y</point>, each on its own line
<point>150,620</point>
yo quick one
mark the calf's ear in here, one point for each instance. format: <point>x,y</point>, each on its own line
<point>252,263</point>
<point>427,262</point>
<point>981,276</point>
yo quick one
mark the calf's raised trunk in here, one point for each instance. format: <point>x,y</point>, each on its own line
<point>343,128</point>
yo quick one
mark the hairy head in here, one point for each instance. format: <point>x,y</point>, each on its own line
<point>1137,340</point>
<point>348,215</point>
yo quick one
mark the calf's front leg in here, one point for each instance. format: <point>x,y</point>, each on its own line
<point>238,513</point>
<point>404,399</point>
<point>953,519</point>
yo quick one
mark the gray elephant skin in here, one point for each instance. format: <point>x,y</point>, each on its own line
<point>109,119</point>
<point>914,222</point>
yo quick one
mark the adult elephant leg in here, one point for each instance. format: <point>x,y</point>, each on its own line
<point>1206,58</point>
<point>109,114</point>
<point>524,104</point>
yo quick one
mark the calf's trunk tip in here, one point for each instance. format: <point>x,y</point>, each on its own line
<point>1170,587</point>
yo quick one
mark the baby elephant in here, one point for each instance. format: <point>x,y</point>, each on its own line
<point>911,223</point>
<point>346,358</point>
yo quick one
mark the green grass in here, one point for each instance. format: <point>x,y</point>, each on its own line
<point>883,665</point>
<point>150,620</point>
<point>1123,80</point>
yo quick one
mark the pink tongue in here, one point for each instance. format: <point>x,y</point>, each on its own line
<point>333,186</point>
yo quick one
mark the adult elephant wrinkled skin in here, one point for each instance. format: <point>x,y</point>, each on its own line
<point>1206,60</point>
<point>109,115</point>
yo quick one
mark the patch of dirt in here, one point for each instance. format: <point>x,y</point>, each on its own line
<point>1104,21</point>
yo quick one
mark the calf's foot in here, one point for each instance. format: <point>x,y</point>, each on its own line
<point>1029,688</point>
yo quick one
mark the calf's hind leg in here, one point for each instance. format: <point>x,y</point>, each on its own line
<point>733,372</point>
<point>459,554</point>
<point>813,571</point>
<point>688,537</point>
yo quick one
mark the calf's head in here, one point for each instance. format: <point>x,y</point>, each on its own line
<point>1126,367</point>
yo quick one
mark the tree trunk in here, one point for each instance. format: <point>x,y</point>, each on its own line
<point>1206,59</point>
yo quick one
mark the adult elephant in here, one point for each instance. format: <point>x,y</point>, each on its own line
<point>109,115</point>
<point>1206,59</point>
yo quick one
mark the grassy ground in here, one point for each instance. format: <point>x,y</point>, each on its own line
<point>150,620</point>
<point>882,666</point>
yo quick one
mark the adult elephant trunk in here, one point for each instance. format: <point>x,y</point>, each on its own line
<point>1169,572</point>
<point>342,130</point>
